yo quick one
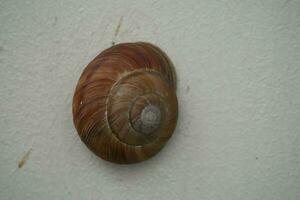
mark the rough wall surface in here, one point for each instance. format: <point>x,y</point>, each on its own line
<point>238,67</point>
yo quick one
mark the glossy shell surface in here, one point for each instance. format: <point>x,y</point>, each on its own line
<point>125,104</point>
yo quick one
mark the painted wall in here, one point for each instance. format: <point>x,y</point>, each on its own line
<point>238,66</point>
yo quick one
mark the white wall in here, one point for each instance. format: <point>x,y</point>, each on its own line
<point>239,94</point>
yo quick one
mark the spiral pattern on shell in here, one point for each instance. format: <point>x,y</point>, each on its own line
<point>125,104</point>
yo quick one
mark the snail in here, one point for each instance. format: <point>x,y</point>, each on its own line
<point>125,106</point>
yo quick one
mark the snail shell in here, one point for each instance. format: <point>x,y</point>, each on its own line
<point>125,105</point>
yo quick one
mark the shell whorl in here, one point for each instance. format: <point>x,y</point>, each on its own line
<point>125,104</point>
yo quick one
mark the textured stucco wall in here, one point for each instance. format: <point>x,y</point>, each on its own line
<point>238,66</point>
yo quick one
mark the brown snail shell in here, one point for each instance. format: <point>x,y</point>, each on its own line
<point>125,104</point>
